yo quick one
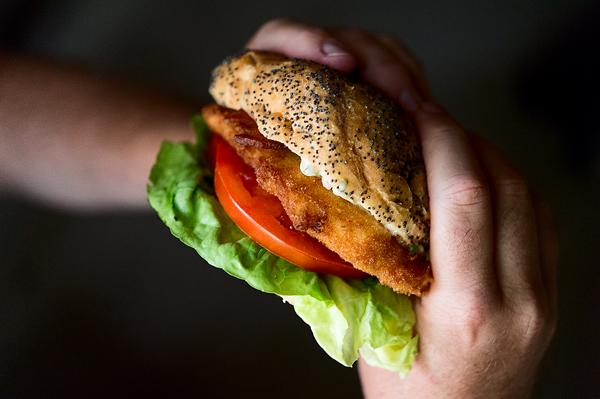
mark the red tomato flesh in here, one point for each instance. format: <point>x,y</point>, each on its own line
<point>261,216</point>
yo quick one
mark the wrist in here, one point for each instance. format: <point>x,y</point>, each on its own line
<point>458,383</point>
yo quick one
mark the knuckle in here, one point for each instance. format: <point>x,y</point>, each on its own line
<point>464,220</point>
<point>515,212</point>
<point>466,190</point>
<point>540,316</point>
<point>514,187</point>
<point>533,318</point>
<point>536,321</point>
<point>473,316</point>
<point>463,227</point>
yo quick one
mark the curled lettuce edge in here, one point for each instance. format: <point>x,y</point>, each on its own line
<point>345,316</point>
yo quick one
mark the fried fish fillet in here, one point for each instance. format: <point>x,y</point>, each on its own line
<point>343,227</point>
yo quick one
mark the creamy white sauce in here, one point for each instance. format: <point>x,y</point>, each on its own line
<point>339,190</point>
<point>308,168</point>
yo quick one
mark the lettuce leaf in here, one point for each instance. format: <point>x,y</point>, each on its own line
<point>346,316</point>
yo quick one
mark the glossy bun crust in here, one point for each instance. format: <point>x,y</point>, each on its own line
<point>352,135</point>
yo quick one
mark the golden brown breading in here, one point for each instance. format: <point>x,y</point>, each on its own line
<point>343,227</point>
<point>353,135</point>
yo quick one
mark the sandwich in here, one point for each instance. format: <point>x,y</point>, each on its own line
<point>310,186</point>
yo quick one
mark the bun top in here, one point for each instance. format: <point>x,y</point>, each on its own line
<point>352,135</point>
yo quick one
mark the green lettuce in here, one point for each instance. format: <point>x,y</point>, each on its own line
<point>345,315</point>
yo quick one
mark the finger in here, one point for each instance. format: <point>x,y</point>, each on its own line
<point>548,244</point>
<point>405,56</point>
<point>460,204</point>
<point>298,40</point>
<point>377,64</point>
<point>517,255</point>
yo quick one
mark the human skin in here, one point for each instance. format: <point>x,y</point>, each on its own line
<point>491,311</point>
<point>79,140</point>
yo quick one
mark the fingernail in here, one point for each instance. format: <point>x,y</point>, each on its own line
<point>410,100</point>
<point>333,49</point>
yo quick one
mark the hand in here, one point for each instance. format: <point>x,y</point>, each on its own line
<point>381,60</point>
<point>491,312</point>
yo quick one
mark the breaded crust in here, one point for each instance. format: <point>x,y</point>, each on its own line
<point>343,227</point>
<point>353,135</point>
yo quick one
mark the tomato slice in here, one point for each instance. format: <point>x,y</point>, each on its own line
<point>261,216</point>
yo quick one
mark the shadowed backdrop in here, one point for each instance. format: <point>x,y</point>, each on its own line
<point>111,305</point>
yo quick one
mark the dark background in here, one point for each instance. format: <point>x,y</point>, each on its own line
<point>110,305</point>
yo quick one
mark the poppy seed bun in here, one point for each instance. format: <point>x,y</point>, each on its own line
<point>352,135</point>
